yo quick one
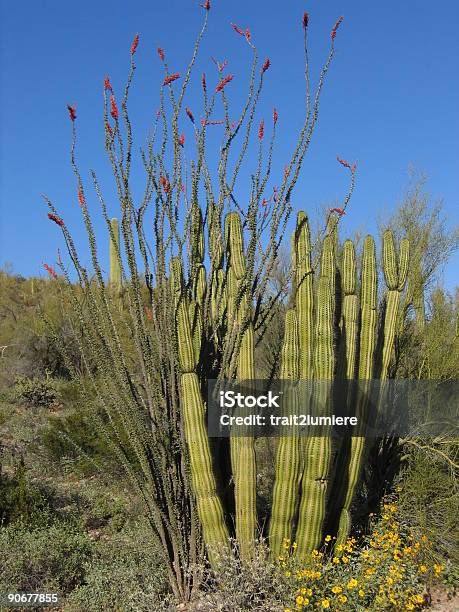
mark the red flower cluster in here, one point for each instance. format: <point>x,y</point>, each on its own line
<point>190,114</point>
<point>261,130</point>
<point>56,219</point>
<point>335,28</point>
<point>206,5</point>
<point>240,31</point>
<point>81,199</point>
<point>224,82</point>
<point>339,211</point>
<point>275,116</point>
<point>171,78</point>
<point>51,271</point>
<point>161,54</point>
<point>343,162</point>
<point>72,112</point>
<point>165,183</point>
<point>266,65</point>
<point>134,45</point>
<point>107,84</point>
<point>305,20</point>
<point>114,109</point>
<point>181,140</point>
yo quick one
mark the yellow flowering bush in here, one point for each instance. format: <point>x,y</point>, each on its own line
<point>387,570</point>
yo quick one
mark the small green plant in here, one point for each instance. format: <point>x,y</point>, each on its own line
<point>35,392</point>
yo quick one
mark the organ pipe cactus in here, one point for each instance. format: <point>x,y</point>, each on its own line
<point>330,333</point>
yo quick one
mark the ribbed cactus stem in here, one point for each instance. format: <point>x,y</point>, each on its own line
<point>243,457</point>
<point>349,315</point>
<point>318,447</point>
<point>288,458</point>
<point>368,315</point>
<point>304,298</point>
<point>210,509</point>
<point>115,268</point>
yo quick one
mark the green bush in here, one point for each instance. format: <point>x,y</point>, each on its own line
<point>36,392</point>
<point>19,501</point>
<point>125,574</point>
<point>48,559</point>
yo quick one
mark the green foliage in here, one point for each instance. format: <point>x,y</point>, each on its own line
<point>35,392</point>
<point>42,559</point>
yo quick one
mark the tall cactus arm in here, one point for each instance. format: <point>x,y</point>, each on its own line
<point>288,458</point>
<point>304,297</point>
<point>318,447</point>
<point>210,509</point>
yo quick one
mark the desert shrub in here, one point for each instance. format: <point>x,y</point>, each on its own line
<point>124,574</point>
<point>21,501</point>
<point>36,392</point>
<point>48,559</point>
<point>429,498</point>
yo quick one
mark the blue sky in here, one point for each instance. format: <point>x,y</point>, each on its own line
<point>390,100</point>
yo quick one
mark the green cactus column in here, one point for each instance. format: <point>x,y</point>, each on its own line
<point>209,506</point>
<point>395,274</point>
<point>115,268</point>
<point>243,456</point>
<point>318,446</point>
<point>289,452</point>
<point>304,297</point>
<point>368,315</point>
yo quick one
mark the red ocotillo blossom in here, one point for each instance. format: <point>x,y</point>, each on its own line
<point>238,29</point>
<point>190,114</point>
<point>114,109</point>
<point>305,20</point>
<point>354,167</point>
<point>165,183</point>
<point>335,28</point>
<point>338,211</point>
<point>343,162</point>
<point>56,219</point>
<point>206,5</point>
<point>247,35</point>
<point>161,54</point>
<point>134,45</point>
<point>51,271</point>
<point>81,198</point>
<point>261,130</point>
<point>109,129</point>
<point>266,65</point>
<point>181,140</point>
<point>222,84</point>
<point>107,84</point>
<point>275,116</point>
<point>72,112</point>
<point>171,78</point>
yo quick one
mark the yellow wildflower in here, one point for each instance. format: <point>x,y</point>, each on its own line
<point>328,538</point>
<point>361,593</point>
<point>422,569</point>
<point>335,560</point>
<point>325,603</point>
<point>342,598</point>
<point>438,568</point>
<point>305,601</point>
<point>336,589</point>
<point>345,559</point>
<point>352,583</point>
<point>419,599</point>
<point>409,606</point>
<point>299,600</point>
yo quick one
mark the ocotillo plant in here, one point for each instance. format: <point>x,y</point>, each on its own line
<point>191,314</point>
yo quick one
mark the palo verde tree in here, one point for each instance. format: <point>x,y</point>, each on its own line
<point>189,287</point>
